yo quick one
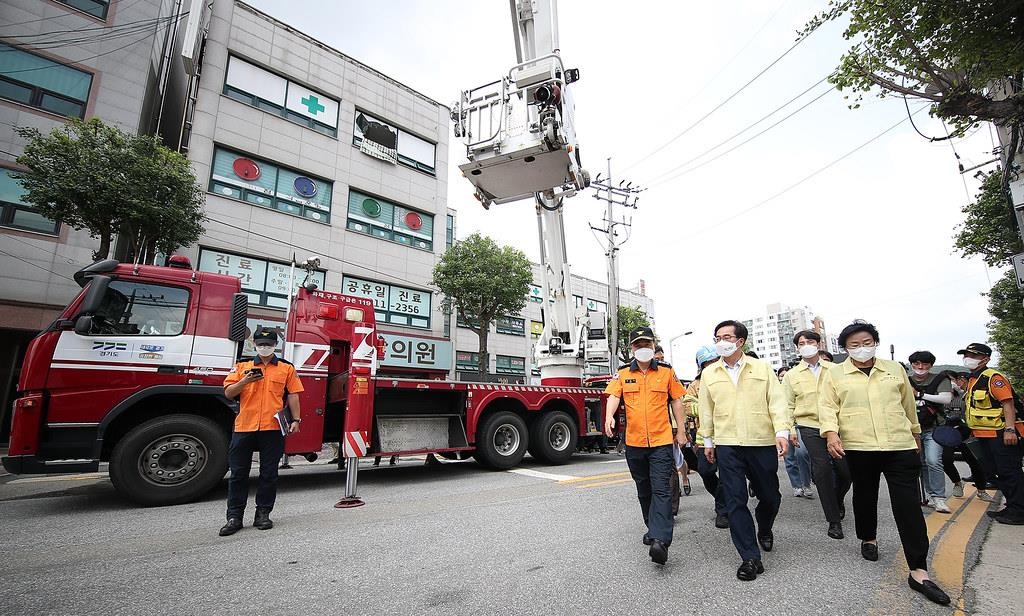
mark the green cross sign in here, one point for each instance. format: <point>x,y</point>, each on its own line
<point>313,104</point>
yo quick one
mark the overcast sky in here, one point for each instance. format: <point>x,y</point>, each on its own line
<point>870,237</point>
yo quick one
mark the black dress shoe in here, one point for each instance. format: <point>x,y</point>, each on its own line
<point>233,526</point>
<point>646,539</point>
<point>1013,520</point>
<point>929,589</point>
<point>842,511</point>
<point>721,521</point>
<point>835,530</point>
<point>658,552</point>
<point>686,489</point>
<point>749,569</point>
<point>766,540</point>
<point>994,514</point>
<point>262,520</point>
<point>869,551</point>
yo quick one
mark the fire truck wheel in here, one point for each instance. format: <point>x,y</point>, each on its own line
<point>170,460</point>
<point>553,438</point>
<point>501,441</point>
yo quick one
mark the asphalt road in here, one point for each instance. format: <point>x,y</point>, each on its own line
<point>453,539</point>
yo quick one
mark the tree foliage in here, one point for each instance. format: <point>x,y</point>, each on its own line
<point>989,230</point>
<point>946,52</point>
<point>91,176</point>
<point>482,281</point>
<point>630,318</point>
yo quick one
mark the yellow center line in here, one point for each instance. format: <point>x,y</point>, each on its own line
<point>604,483</point>
<point>951,551</point>
<point>592,477</point>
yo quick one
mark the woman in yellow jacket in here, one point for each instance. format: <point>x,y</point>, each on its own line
<point>868,415</point>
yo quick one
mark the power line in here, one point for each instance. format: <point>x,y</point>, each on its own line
<point>804,179</point>
<point>109,35</point>
<point>736,55</point>
<point>749,126</point>
<point>721,104</point>
<point>66,14</point>
<point>80,60</point>
<point>27,262</point>
<point>296,246</point>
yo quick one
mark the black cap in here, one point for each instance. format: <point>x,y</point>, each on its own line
<point>641,333</point>
<point>265,334</point>
<point>976,347</point>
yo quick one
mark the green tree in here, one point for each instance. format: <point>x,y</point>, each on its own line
<point>91,176</point>
<point>630,318</point>
<point>946,52</point>
<point>989,231</point>
<point>482,281</point>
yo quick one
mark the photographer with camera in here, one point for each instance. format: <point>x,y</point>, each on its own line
<point>264,385</point>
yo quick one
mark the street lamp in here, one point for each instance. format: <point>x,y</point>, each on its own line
<point>671,341</point>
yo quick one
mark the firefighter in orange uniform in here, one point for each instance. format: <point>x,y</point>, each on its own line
<point>646,390</point>
<point>264,385</point>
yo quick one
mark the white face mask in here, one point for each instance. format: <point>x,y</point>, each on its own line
<point>920,371</point>
<point>862,354</point>
<point>265,350</point>
<point>971,363</point>
<point>725,348</point>
<point>645,354</point>
<point>808,351</point>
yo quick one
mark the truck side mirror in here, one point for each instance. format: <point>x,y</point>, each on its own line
<point>94,295</point>
<point>83,325</point>
<point>239,312</point>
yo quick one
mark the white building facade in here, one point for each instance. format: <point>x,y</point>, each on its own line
<point>771,333</point>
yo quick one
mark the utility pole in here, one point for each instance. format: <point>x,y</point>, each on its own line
<point>625,195</point>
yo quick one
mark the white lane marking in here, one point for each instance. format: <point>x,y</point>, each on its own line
<point>540,475</point>
<point>615,461</point>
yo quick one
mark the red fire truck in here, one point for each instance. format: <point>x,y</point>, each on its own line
<point>131,373</point>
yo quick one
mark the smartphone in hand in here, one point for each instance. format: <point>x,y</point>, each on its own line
<point>256,372</point>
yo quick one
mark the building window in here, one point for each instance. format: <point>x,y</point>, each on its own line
<point>96,8</point>
<point>464,322</point>
<point>595,306</point>
<point>392,303</point>
<point>466,360</point>
<point>388,221</point>
<point>264,184</point>
<point>38,82</point>
<point>265,282</point>
<point>15,213</point>
<point>511,325</point>
<point>536,329</point>
<point>378,139</point>
<point>449,231</point>
<point>272,93</point>
<point>507,364</point>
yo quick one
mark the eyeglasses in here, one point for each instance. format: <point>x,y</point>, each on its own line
<point>866,345</point>
<point>726,337</point>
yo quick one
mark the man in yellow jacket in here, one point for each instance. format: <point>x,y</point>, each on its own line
<point>745,427</point>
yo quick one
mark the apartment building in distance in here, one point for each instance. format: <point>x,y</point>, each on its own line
<point>771,333</point>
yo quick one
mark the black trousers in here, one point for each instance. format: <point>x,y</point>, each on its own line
<point>1004,461</point>
<point>652,469</point>
<point>761,465</point>
<point>709,476</point>
<point>270,444</point>
<point>830,475</point>
<point>902,470</point>
<point>949,466</point>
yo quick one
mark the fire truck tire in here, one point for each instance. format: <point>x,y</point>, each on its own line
<point>501,441</point>
<point>553,438</point>
<point>170,460</point>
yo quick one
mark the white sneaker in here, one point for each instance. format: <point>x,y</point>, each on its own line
<point>941,506</point>
<point>958,489</point>
<point>930,503</point>
<point>985,496</point>
<point>808,493</point>
<point>798,492</point>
